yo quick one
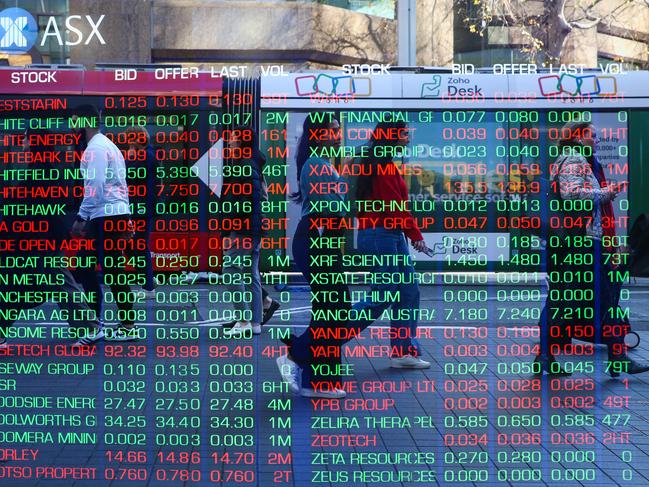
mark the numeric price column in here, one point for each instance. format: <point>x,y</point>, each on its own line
<point>232,422</point>
<point>178,389</point>
<point>125,391</point>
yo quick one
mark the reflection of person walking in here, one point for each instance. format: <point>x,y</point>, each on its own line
<point>105,215</point>
<point>581,302</point>
<point>316,352</point>
<point>389,246</point>
<point>270,305</point>
<point>244,191</point>
<point>142,176</point>
<point>27,283</point>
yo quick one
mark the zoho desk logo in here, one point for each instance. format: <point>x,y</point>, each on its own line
<point>18,30</point>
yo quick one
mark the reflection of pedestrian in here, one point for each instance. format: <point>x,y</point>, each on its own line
<point>104,216</point>
<point>142,166</point>
<point>581,300</point>
<point>383,234</point>
<point>31,285</point>
<point>317,258</point>
<point>270,305</point>
<point>244,190</point>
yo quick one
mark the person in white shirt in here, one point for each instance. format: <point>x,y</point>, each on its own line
<point>105,216</point>
<point>52,279</point>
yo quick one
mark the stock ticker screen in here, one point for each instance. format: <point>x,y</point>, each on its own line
<point>323,277</point>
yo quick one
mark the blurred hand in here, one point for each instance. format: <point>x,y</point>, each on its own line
<point>621,256</point>
<point>419,245</point>
<point>78,229</point>
<point>614,189</point>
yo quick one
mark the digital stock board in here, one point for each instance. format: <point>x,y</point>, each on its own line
<point>417,277</point>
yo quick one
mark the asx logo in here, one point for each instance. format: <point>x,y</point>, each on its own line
<point>19,30</point>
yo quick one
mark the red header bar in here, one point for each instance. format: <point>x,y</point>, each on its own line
<point>162,81</point>
<point>40,81</point>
